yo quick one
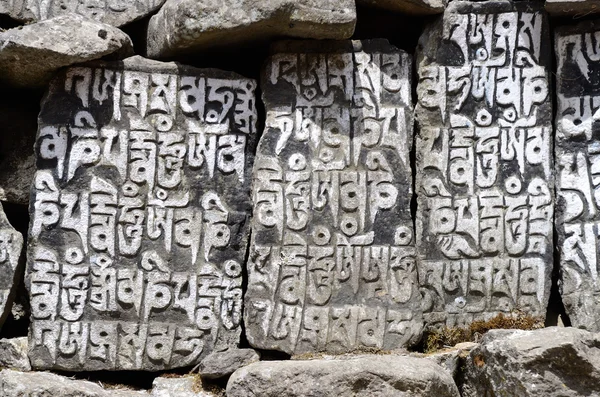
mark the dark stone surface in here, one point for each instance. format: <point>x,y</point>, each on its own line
<point>139,216</point>
<point>331,264</point>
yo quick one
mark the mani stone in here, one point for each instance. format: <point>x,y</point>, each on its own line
<point>31,54</point>
<point>331,265</point>
<point>111,12</point>
<point>574,8</point>
<point>139,216</point>
<point>184,26</point>
<point>416,7</point>
<point>11,243</point>
<point>483,152</point>
<point>577,154</point>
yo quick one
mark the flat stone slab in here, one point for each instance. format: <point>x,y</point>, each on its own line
<point>574,8</point>
<point>11,243</point>
<point>31,54</point>
<point>367,375</point>
<point>185,26</point>
<point>577,153</point>
<point>331,264</point>
<point>484,176</point>
<point>139,216</point>
<point>112,12</point>
<point>416,7</point>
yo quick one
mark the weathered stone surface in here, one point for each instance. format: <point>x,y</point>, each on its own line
<point>331,264</point>
<point>13,354</point>
<point>139,216</point>
<point>452,358</point>
<point>11,243</point>
<point>112,12</point>
<point>221,364</point>
<point>576,8</point>
<point>30,55</point>
<point>373,375</point>
<point>549,362</point>
<point>185,386</point>
<point>417,7</point>
<point>577,155</point>
<point>484,175</point>
<point>18,384</point>
<point>183,26</point>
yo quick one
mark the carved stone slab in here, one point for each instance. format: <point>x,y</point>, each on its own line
<point>331,264</point>
<point>139,214</point>
<point>112,12</point>
<point>11,243</point>
<point>575,8</point>
<point>484,166</point>
<point>577,155</point>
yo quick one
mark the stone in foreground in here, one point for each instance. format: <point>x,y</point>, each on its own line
<point>220,364</point>
<point>577,154</point>
<point>549,362</point>
<point>373,375</point>
<point>111,12</point>
<point>184,26</point>
<point>13,354</point>
<point>331,264</point>
<point>484,163</point>
<point>11,244</point>
<point>139,214</point>
<point>574,8</point>
<point>184,386</point>
<point>31,54</point>
<point>414,7</point>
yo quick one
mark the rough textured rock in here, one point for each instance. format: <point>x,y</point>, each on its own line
<point>112,12</point>
<point>484,163</point>
<point>221,364</point>
<point>31,54</point>
<point>11,244</point>
<point>452,358</point>
<point>331,263</point>
<point>185,386</point>
<point>183,26</point>
<point>139,216</point>
<point>364,375</point>
<point>417,7</point>
<point>575,8</point>
<point>13,354</point>
<point>18,384</point>
<point>577,155</point>
<point>549,362</point>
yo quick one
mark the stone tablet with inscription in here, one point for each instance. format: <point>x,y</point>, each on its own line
<point>11,243</point>
<point>484,164</point>
<point>139,216</point>
<point>331,264</point>
<point>578,170</point>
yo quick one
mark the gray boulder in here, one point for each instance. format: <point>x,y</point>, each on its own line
<point>29,55</point>
<point>183,26</point>
<point>547,362</point>
<point>185,386</point>
<point>224,363</point>
<point>13,354</point>
<point>416,7</point>
<point>373,375</point>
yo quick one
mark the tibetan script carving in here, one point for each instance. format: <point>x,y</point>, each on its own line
<point>139,210</point>
<point>577,156</point>
<point>484,176</point>
<point>331,264</point>
<point>11,243</point>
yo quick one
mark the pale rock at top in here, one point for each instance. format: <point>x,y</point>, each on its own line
<point>413,7</point>
<point>484,163</point>
<point>139,216</point>
<point>331,264</point>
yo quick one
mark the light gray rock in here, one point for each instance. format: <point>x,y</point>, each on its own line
<point>183,26</point>
<point>450,359</point>
<point>484,179</point>
<point>31,54</point>
<point>221,364</point>
<point>548,362</point>
<point>416,7</point>
<point>11,244</point>
<point>13,354</point>
<point>18,384</point>
<point>331,266</point>
<point>112,12</point>
<point>374,375</point>
<point>574,8</point>
<point>185,386</point>
<point>140,213</point>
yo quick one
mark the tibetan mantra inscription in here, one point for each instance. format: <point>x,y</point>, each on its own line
<point>484,177</point>
<point>139,208</point>
<point>331,264</point>
<point>578,170</point>
<point>11,243</point>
